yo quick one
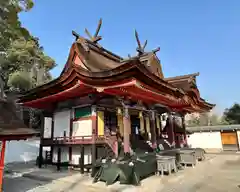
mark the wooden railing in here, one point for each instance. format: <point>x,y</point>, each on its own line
<point>112,142</point>
<point>78,140</point>
<point>81,140</point>
<point>107,138</point>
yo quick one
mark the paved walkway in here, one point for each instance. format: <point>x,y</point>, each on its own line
<point>219,173</point>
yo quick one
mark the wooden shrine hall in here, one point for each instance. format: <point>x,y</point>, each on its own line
<point>101,97</point>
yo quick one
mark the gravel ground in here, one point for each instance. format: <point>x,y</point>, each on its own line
<point>218,173</point>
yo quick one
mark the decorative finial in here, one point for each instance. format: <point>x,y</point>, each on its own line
<point>156,50</point>
<point>95,38</point>
<point>140,48</point>
<point>75,34</point>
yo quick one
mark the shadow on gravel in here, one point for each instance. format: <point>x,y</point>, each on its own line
<point>17,180</point>
<point>48,175</point>
<point>20,184</point>
<point>232,163</point>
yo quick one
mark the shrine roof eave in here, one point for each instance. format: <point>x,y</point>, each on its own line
<point>134,68</point>
<point>207,106</point>
<point>182,77</point>
<point>17,137</point>
<point>77,90</point>
<point>199,107</point>
<point>129,88</point>
<point>17,133</point>
<point>138,91</point>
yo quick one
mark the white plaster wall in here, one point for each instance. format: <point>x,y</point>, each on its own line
<point>76,155</point>
<point>64,154</point>
<point>82,128</point>
<point>238,137</point>
<point>22,151</point>
<point>47,127</point>
<point>205,140</point>
<point>62,123</point>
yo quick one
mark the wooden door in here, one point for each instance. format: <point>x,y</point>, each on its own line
<point>229,140</point>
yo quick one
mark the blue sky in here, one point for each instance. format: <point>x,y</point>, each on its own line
<point>194,36</point>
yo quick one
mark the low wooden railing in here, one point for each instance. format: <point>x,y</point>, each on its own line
<point>79,140</point>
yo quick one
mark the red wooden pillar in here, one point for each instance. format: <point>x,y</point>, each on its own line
<point>2,163</point>
<point>126,131</point>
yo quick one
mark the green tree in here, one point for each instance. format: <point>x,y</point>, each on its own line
<point>31,66</point>
<point>10,26</point>
<point>193,122</point>
<point>214,120</point>
<point>23,64</point>
<point>205,119</point>
<point>232,115</point>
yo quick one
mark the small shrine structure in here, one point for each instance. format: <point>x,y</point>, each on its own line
<point>11,127</point>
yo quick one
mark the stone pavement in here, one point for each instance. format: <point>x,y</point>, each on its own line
<point>217,174</point>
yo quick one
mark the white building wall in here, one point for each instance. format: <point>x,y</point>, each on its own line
<point>76,155</point>
<point>47,133</point>
<point>205,140</point>
<point>64,154</point>
<point>62,123</point>
<point>82,128</point>
<point>238,137</point>
<point>22,151</point>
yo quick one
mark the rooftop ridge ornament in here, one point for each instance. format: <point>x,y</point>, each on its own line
<point>76,35</point>
<point>95,38</point>
<point>140,48</point>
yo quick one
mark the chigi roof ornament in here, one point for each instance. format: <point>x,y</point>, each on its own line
<point>141,49</point>
<point>95,38</point>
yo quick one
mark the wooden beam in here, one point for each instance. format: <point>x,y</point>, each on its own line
<point>81,160</point>
<point>94,132</point>
<point>126,130</point>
